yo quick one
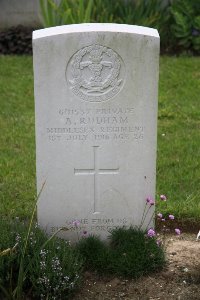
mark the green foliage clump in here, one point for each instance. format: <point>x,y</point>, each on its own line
<point>134,253</point>
<point>185,27</point>
<point>178,21</point>
<point>56,269</point>
<point>95,253</point>
<point>8,258</point>
<point>48,267</point>
<point>130,253</point>
<point>139,12</point>
<point>65,12</point>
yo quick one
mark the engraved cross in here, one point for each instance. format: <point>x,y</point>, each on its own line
<point>95,172</point>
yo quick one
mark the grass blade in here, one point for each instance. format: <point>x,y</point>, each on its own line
<point>22,273</point>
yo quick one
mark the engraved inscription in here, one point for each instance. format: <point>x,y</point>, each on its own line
<point>95,172</point>
<point>95,224</point>
<point>95,73</point>
<point>100,124</point>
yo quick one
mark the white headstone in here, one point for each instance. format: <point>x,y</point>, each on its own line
<point>96,122</point>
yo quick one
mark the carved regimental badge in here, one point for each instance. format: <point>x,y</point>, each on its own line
<point>95,73</point>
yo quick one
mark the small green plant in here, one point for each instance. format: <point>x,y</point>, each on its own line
<point>95,253</point>
<point>8,255</point>
<point>165,219</point>
<point>133,251</point>
<point>47,265</point>
<point>186,24</point>
<point>130,253</point>
<point>56,269</point>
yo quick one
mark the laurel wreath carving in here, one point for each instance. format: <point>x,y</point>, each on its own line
<point>111,80</point>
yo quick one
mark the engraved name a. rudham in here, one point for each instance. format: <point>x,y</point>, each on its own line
<point>95,73</point>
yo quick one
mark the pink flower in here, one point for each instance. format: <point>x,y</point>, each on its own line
<point>163,197</point>
<point>150,200</point>
<point>76,223</point>
<point>171,217</point>
<point>151,233</point>
<point>160,215</point>
<point>178,232</point>
<point>163,220</point>
<point>85,233</point>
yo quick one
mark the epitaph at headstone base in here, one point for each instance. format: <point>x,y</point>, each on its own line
<point>96,118</point>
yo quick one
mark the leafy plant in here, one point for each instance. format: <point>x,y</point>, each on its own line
<point>56,269</point>
<point>186,27</point>
<point>65,12</point>
<point>142,12</point>
<point>107,11</point>
<point>8,254</point>
<point>47,266</point>
<point>139,12</point>
<point>151,13</point>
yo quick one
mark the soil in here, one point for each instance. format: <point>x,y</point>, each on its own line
<point>179,280</point>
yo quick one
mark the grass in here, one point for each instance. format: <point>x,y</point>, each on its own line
<point>178,164</point>
<point>17,154</point>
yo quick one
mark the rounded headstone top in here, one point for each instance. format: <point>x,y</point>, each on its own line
<point>92,27</point>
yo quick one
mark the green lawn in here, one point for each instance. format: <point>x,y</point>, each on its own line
<point>178,164</point>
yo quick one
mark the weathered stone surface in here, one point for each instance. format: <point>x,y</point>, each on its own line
<point>96,120</point>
